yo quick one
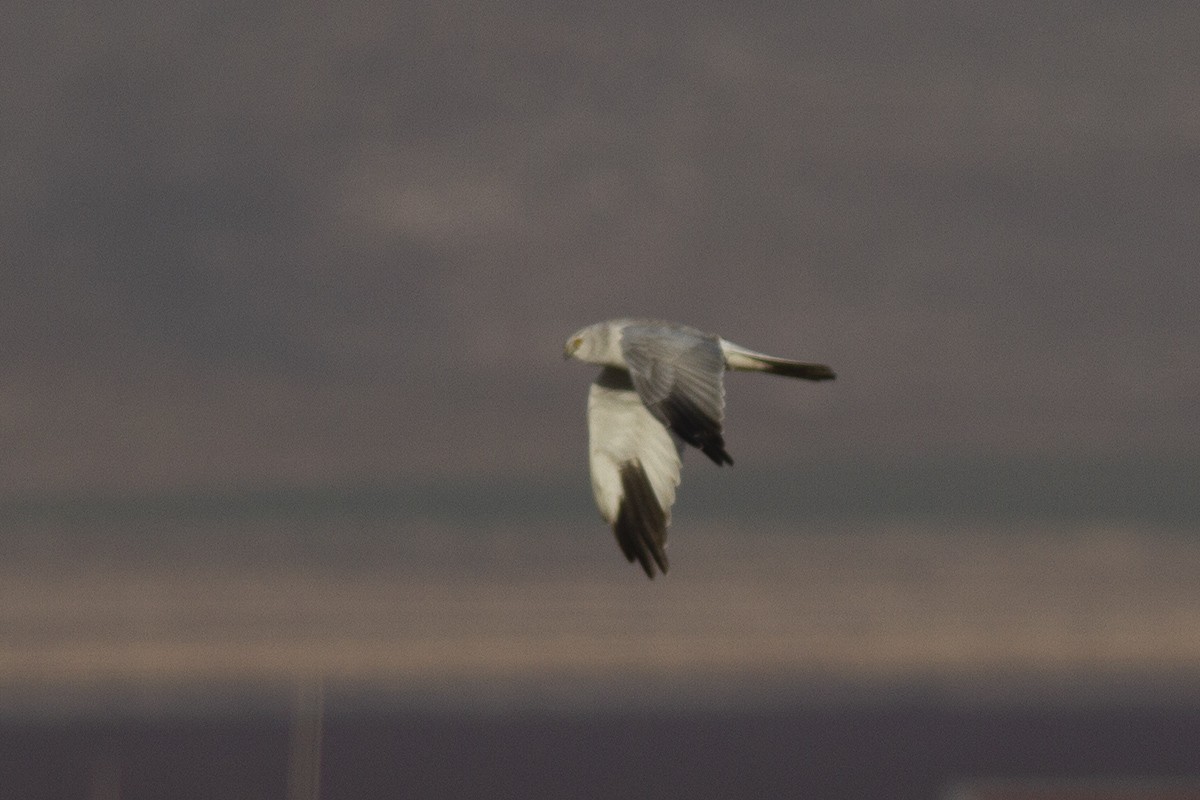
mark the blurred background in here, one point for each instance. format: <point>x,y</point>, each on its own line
<point>290,462</point>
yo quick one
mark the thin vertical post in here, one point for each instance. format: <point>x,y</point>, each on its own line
<point>304,756</point>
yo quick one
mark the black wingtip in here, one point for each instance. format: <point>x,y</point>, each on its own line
<point>694,426</point>
<point>641,524</point>
<point>716,451</point>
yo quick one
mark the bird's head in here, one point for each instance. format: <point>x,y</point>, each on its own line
<point>591,344</point>
<point>573,345</point>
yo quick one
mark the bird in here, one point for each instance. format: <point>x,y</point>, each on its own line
<point>661,387</point>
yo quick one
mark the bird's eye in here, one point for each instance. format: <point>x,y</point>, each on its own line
<point>577,342</point>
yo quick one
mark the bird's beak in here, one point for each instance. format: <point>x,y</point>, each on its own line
<point>570,348</point>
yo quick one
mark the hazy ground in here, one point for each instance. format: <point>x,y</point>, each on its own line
<point>436,613</point>
<point>164,656</point>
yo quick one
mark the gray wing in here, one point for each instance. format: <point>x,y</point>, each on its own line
<point>678,374</point>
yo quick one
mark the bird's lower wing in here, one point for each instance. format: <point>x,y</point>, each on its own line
<point>635,468</point>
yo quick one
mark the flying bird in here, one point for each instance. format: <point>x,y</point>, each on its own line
<point>661,387</point>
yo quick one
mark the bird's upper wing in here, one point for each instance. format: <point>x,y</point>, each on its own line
<point>678,373</point>
<point>635,468</point>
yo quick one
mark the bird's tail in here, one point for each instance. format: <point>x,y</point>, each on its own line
<point>742,359</point>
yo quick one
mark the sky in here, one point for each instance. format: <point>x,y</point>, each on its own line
<point>258,246</point>
<point>285,290</point>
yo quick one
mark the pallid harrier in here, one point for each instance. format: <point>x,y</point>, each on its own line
<point>661,387</point>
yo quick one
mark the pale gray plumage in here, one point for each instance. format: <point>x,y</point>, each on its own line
<point>661,387</point>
